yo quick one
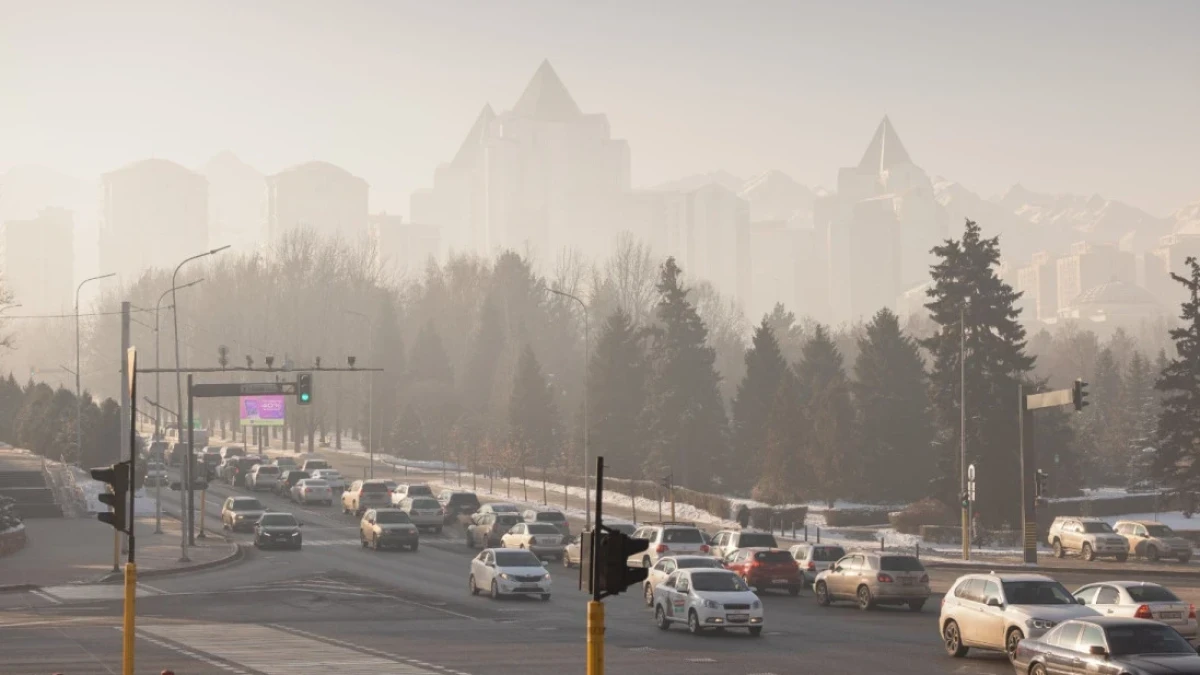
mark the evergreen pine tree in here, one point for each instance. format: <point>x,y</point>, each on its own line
<point>408,438</point>
<point>966,287</point>
<point>788,333</point>
<point>1179,382</point>
<point>1104,424</point>
<point>830,447</point>
<point>487,348</point>
<point>752,406</point>
<point>785,441</point>
<point>428,362</point>
<point>1141,402</point>
<point>686,423</point>
<point>387,386</point>
<point>896,428</point>
<point>617,395</point>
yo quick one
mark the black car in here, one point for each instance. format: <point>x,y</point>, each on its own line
<point>457,504</point>
<point>1107,645</point>
<point>278,530</point>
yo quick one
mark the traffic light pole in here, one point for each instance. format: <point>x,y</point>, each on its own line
<point>128,633</point>
<point>595,608</point>
<point>1028,491</point>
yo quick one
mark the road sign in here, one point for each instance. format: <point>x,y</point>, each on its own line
<point>971,491</point>
<point>971,472</point>
<point>244,389</point>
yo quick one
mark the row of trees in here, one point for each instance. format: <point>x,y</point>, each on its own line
<point>44,421</point>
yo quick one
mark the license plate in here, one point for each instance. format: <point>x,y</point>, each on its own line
<point>528,589</point>
<point>780,581</point>
<point>906,582</point>
<point>1170,615</point>
<point>739,617</point>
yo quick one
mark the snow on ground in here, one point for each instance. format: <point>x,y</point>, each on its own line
<point>1172,519</point>
<point>1090,494</point>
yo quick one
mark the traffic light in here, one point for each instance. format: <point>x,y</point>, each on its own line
<point>117,498</point>
<point>1040,483</point>
<point>612,560</point>
<point>1079,395</point>
<point>965,498</point>
<point>303,388</point>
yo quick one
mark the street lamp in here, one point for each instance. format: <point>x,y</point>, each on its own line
<point>157,389</point>
<point>587,351</point>
<point>78,389</point>
<point>186,530</point>
<point>370,389</point>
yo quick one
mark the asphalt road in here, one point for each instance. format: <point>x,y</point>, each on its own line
<point>339,608</point>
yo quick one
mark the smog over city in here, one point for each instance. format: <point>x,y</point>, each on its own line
<point>733,312</point>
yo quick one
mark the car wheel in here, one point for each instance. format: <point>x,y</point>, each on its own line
<point>693,623</point>
<point>545,597</point>
<point>1122,558</point>
<point>952,638</point>
<point>362,540</point>
<point>648,594</point>
<point>413,548</point>
<point>566,562</point>
<point>375,543</point>
<point>865,601</point>
<point>495,591</point>
<point>1058,549</point>
<point>916,605</point>
<point>793,591</point>
<point>1152,553</point>
<point>257,544</point>
<point>660,618</point>
<point>755,631</point>
<point>1087,553</point>
<point>1011,639</point>
<point>471,585</point>
<point>1037,669</point>
<point>822,593</point>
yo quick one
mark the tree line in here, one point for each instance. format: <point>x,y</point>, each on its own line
<point>45,420</point>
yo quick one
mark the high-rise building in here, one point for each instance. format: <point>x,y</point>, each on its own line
<point>236,203</point>
<point>39,261</point>
<point>784,266</point>
<point>1038,283</point>
<point>1088,265</point>
<point>402,249</point>
<point>541,176</point>
<point>1167,259</point>
<point>707,231</point>
<point>154,214</point>
<point>319,196</point>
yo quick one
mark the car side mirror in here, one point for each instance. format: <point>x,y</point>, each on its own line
<point>994,602</point>
<point>837,568</point>
<point>1097,650</point>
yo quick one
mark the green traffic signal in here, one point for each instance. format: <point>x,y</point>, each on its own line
<point>303,388</point>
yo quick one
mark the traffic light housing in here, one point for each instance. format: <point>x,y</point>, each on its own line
<point>303,388</point>
<point>613,550</point>
<point>1040,479</point>
<point>1079,395</point>
<point>965,498</point>
<point>119,482</point>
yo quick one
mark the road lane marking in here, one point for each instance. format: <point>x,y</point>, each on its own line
<point>73,592</point>
<point>369,650</point>
<point>188,653</point>
<point>46,596</point>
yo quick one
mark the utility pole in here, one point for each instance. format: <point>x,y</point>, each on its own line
<point>1026,404</point>
<point>962,431</point>
<point>126,410</point>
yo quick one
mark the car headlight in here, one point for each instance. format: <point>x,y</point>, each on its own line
<point>756,605</point>
<point>239,516</point>
<point>547,577</point>
<point>504,576</point>
<point>712,604</point>
<point>1042,624</point>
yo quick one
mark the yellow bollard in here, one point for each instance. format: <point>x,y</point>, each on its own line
<point>128,628</point>
<point>595,638</point>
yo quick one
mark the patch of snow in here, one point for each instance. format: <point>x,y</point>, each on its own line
<point>1172,519</point>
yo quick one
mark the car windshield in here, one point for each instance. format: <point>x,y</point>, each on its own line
<point>1097,528</point>
<point>900,563</point>
<point>278,520</point>
<point>542,528</point>
<point>683,535</point>
<point>247,505</point>
<point>313,482</point>
<point>425,503</point>
<point>726,582</point>
<point>1159,531</point>
<point>625,528</point>
<point>420,490</point>
<point>774,557</point>
<point>1151,593</point>
<point>1146,638</point>
<point>371,487</point>
<point>392,517</point>
<point>463,500</point>
<point>756,540</point>
<point>507,519</point>
<point>551,517</point>
<point>498,508</point>
<point>297,475</point>
<point>688,563</point>
<point>828,553</point>
<point>1037,593</point>
<point>268,470</point>
<point>517,559</point>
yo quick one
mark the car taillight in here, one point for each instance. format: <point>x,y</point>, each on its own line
<point>1143,612</point>
<point>307,490</point>
<point>924,578</point>
<point>532,541</point>
<point>704,548</point>
<point>812,566</point>
<point>1191,611</point>
<point>884,578</point>
<point>661,548</point>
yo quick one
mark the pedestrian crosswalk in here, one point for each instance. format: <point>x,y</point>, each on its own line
<point>331,542</point>
<point>77,592</point>
<point>273,651</point>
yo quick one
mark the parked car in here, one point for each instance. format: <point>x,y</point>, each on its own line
<point>544,539</point>
<point>311,491</point>
<point>1140,600</point>
<point>764,568</point>
<point>241,513</point>
<point>668,539</point>
<point>288,480</point>
<point>706,599</point>
<point>1152,540</point>
<point>405,490</point>
<point>363,495</point>
<point>311,465</point>
<point>508,572</point>
<point>425,512</point>
<point>262,477</point>
<point>1089,537</point>
<point>1107,645</point>
<point>998,611</point>
<point>552,516</point>
<point>457,503</point>
<point>728,541</point>
<point>333,477</point>
<point>667,566</point>
<point>871,579</point>
<point>278,530</point>
<point>385,527</point>
<point>816,558</point>
<point>487,529</point>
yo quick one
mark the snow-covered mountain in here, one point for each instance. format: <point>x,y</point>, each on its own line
<point>1187,219</point>
<point>774,195</point>
<point>699,180</point>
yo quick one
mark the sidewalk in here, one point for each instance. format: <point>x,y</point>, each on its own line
<point>66,550</point>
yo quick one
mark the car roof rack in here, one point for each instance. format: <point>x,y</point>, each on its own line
<point>671,522</point>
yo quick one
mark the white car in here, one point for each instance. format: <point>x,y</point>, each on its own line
<point>425,512</point>
<point>728,541</point>
<point>668,539</point>
<point>262,477</point>
<point>704,598</point>
<point>997,611</point>
<point>665,567</point>
<point>816,558</point>
<point>332,477</point>
<point>312,491</point>
<point>544,539</point>
<point>1141,600</point>
<point>501,571</point>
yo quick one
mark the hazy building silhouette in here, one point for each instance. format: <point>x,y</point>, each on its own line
<point>318,196</point>
<point>707,230</point>
<point>39,261</point>
<point>402,249</point>
<point>236,202</point>
<point>784,266</point>
<point>154,214</point>
<point>1038,282</point>
<point>542,176</point>
<point>1112,305</point>
<point>1089,265</point>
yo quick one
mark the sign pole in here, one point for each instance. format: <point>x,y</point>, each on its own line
<point>595,608</point>
<point>128,622</point>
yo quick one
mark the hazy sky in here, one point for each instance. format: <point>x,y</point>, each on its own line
<point>1085,97</point>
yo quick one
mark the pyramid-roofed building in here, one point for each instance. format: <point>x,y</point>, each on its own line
<point>885,151</point>
<point>546,98</point>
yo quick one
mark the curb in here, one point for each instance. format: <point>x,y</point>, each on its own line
<point>239,553</point>
<point>17,588</point>
<point>1040,569</point>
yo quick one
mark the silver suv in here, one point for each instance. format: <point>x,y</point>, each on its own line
<point>1152,540</point>
<point>997,611</point>
<point>1090,537</point>
<point>668,539</point>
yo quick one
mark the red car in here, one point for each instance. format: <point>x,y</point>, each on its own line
<point>766,568</point>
